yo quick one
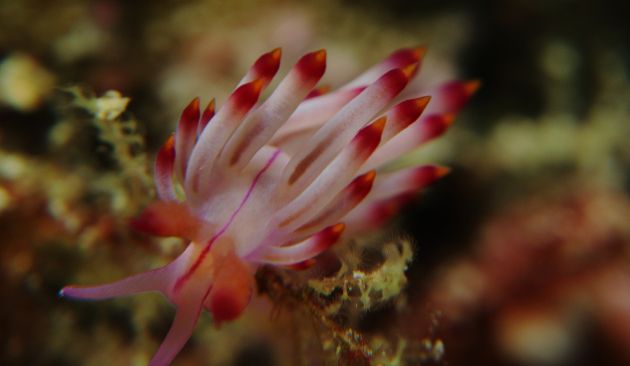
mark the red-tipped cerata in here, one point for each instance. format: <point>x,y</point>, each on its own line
<point>279,180</point>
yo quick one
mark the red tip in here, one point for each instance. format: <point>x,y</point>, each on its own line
<point>395,80</point>
<point>368,138</point>
<point>425,175</point>
<point>207,115</point>
<point>386,209</point>
<point>408,111</point>
<point>329,235</point>
<point>246,95</point>
<point>190,116</point>
<point>448,119</point>
<point>267,65</point>
<point>410,70</point>
<point>435,125</point>
<point>458,93</point>
<point>312,65</point>
<point>441,171</point>
<point>406,56</point>
<point>361,185</point>
<point>472,86</point>
<point>166,155</point>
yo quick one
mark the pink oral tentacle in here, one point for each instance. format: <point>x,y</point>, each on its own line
<point>154,280</point>
<point>183,325</point>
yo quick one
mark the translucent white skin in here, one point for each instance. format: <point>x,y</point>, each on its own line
<point>248,201</point>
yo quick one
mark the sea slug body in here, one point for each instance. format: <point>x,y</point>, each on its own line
<point>279,181</point>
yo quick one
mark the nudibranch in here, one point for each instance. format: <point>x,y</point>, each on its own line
<point>281,180</point>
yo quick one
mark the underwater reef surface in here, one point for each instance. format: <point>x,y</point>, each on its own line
<point>519,256</point>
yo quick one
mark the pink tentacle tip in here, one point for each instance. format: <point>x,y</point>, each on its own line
<point>279,181</point>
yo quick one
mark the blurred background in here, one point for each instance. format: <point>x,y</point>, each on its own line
<point>521,256</point>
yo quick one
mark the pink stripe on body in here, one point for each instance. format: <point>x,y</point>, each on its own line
<point>182,280</point>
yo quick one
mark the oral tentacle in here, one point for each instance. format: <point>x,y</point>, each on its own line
<point>159,279</point>
<point>261,124</point>
<point>186,317</point>
<point>143,282</point>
